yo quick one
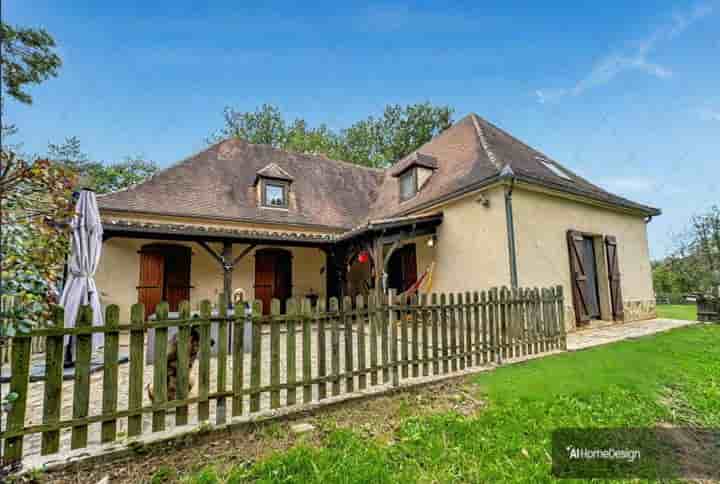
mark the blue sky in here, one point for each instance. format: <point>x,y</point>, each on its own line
<point>624,93</point>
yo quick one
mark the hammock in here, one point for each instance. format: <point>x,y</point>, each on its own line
<point>425,277</point>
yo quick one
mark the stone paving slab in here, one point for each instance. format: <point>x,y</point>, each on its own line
<point>608,334</point>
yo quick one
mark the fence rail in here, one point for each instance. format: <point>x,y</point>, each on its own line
<point>303,355</point>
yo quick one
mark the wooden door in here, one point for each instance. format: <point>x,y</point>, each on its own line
<point>578,277</point>
<point>593,302</point>
<point>614,276</point>
<point>177,275</point>
<point>402,268</point>
<point>273,277</point>
<point>150,288</point>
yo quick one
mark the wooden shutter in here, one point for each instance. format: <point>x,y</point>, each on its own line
<point>409,266</point>
<point>177,275</point>
<point>150,289</point>
<point>578,276</point>
<point>614,276</point>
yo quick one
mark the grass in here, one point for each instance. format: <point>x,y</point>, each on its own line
<point>687,312</point>
<point>672,377</point>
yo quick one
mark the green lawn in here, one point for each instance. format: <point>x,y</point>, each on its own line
<point>671,377</point>
<point>677,311</point>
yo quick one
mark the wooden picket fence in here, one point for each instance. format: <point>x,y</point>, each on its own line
<point>7,303</point>
<point>294,358</point>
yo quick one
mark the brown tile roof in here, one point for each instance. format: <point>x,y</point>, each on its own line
<point>218,182</point>
<point>414,159</point>
<point>274,171</point>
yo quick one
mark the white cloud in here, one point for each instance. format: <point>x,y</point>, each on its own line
<point>634,58</point>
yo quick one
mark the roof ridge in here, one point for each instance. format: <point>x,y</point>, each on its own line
<point>484,142</point>
<point>315,155</point>
<point>163,170</point>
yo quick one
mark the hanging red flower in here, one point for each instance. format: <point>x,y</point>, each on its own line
<point>363,256</point>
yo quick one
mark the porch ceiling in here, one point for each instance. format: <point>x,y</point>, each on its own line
<point>413,225</point>
<point>195,233</point>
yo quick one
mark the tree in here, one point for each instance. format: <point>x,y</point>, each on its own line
<point>101,177</point>
<point>27,58</point>
<point>376,142</point>
<point>36,203</point>
<point>694,265</point>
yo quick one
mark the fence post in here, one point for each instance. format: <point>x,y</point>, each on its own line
<point>415,336</point>
<point>306,311</point>
<point>346,310</point>
<point>256,356</point>
<point>373,316</point>
<point>204,364</point>
<point>561,317</point>
<point>160,367</point>
<point>362,367</point>
<point>53,384</point>
<point>435,334</point>
<point>182,362</point>
<point>425,337</point>
<point>444,334</point>
<point>275,354</point>
<point>393,337</point>
<point>19,379</point>
<point>383,320</point>
<point>292,311</point>
<point>81,390</point>
<point>110,372</point>
<point>222,349</point>
<point>137,355</point>
<point>321,314</point>
<point>238,357</point>
<point>335,346</point>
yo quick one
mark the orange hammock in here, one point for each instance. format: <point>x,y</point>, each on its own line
<point>426,277</point>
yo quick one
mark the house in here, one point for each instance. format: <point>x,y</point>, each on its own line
<point>471,209</point>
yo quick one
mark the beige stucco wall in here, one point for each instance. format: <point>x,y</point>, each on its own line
<point>541,225</point>
<point>118,273</point>
<point>471,250</point>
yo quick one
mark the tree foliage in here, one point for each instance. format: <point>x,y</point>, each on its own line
<point>97,176</point>
<point>36,200</point>
<point>27,58</point>
<point>694,265</point>
<point>376,142</point>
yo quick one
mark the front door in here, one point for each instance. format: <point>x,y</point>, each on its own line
<point>273,277</point>
<point>164,276</point>
<point>591,265</point>
<point>402,268</point>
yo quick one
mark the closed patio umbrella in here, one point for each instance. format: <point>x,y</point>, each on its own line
<point>85,247</point>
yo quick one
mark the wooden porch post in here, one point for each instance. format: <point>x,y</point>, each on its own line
<point>228,267</point>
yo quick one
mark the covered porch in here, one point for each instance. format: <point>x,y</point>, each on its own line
<point>152,262</point>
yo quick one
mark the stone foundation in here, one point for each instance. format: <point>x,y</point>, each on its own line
<point>639,309</point>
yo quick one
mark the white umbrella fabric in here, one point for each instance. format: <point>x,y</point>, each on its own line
<point>85,248</point>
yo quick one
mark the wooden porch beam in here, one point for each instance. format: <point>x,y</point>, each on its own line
<point>243,254</point>
<point>393,248</point>
<point>210,251</point>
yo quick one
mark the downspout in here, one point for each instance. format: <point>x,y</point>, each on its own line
<point>508,174</point>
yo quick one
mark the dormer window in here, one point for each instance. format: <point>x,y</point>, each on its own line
<point>413,172</point>
<point>273,187</point>
<point>275,194</point>
<point>408,184</point>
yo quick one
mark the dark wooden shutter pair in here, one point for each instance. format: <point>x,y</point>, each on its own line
<point>581,287</point>
<point>578,276</point>
<point>614,275</point>
<point>164,274</point>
